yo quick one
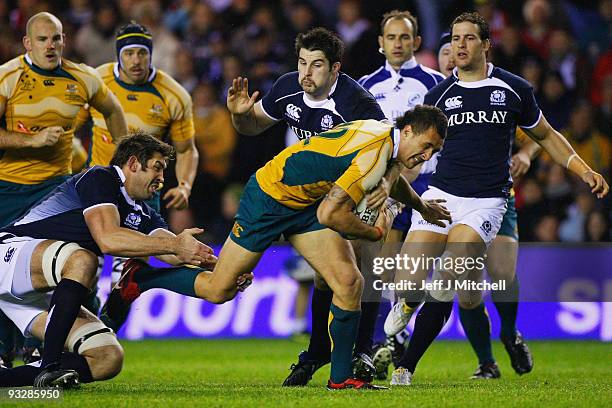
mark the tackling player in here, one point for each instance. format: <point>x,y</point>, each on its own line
<point>54,247</point>
<point>40,96</point>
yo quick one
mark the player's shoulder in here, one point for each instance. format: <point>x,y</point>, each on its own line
<point>98,175</point>
<point>106,70</point>
<point>169,87</point>
<point>368,81</point>
<point>347,87</point>
<point>512,80</point>
<point>12,65</point>
<point>79,70</point>
<point>287,84</point>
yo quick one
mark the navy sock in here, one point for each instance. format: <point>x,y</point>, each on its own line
<point>343,325</point>
<point>478,331</point>
<point>179,280</point>
<point>319,346</point>
<point>65,304</point>
<point>25,374</point>
<point>367,323</point>
<point>429,322</point>
<point>506,303</point>
<point>78,363</point>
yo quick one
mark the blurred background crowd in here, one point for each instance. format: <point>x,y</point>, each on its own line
<point>562,47</point>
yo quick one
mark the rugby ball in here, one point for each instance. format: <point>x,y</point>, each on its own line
<point>366,214</point>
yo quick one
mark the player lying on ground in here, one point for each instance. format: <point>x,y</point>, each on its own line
<point>308,193</point>
<point>51,261</point>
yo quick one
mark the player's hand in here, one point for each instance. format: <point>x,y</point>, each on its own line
<point>238,100</point>
<point>244,281</point>
<point>379,195</point>
<point>178,196</point>
<point>598,184</point>
<point>191,251</point>
<point>435,213</point>
<point>384,221</point>
<point>46,137</point>
<point>519,165</point>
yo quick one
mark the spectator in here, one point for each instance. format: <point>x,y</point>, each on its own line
<point>603,116</point>
<point>185,71</point>
<point>555,100</point>
<point>536,33</point>
<point>198,37</point>
<point>148,13</point>
<point>510,52</point>
<point>177,19</point>
<point>597,227</point>
<point>546,229</point>
<point>95,41</point>
<point>589,143</point>
<point>572,228</point>
<point>533,208</point>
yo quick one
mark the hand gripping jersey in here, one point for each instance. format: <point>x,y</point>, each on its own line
<point>60,215</point>
<point>396,92</point>
<point>159,106</point>
<point>482,119</point>
<point>35,99</point>
<point>353,155</point>
<point>347,102</point>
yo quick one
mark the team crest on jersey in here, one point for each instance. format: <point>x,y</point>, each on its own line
<point>156,109</point>
<point>26,85</point>
<point>454,102</point>
<point>486,227</point>
<point>327,122</point>
<point>133,220</point>
<point>9,254</point>
<point>293,112</point>
<point>498,97</point>
<point>71,89</point>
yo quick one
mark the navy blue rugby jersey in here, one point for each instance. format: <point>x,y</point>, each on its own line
<point>482,119</point>
<point>59,216</point>
<point>347,101</point>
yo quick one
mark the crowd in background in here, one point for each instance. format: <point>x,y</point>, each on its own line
<point>562,47</point>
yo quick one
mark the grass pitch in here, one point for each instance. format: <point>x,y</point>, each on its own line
<point>234,373</point>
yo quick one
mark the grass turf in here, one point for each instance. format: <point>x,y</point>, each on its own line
<point>231,373</point>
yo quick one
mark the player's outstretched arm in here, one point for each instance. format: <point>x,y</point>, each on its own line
<point>103,223</point>
<point>174,260</point>
<point>564,154</point>
<point>336,212</point>
<point>113,115</point>
<point>432,210</point>
<point>248,117</point>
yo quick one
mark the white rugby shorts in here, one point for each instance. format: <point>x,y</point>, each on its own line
<point>483,215</point>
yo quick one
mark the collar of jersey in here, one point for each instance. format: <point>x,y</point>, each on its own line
<point>473,84</point>
<point>56,72</point>
<point>129,199</point>
<point>403,71</point>
<point>146,87</point>
<point>318,104</point>
<point>396,142</point>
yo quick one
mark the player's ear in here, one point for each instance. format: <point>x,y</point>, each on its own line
<point>380,41</point>
<point>133,164</point>
<point>417,43</point>
<point>486,45</point>
<point>27,44</point>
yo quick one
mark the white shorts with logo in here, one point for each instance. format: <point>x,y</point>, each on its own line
<point>483,215</point>
<point>15,256</point>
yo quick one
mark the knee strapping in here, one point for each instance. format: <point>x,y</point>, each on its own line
<point>91,335</point>
<point>54,259</point>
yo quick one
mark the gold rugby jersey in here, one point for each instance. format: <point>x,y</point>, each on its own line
<point>35,99</point>
<point>159,106</point>
<point>353,155</point>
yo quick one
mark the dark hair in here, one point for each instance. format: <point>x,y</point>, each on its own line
<point>323,40</point>
<point>422,118</point>
<point>397,15</point>
<point>143,146</point>
<point>474,18</point>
